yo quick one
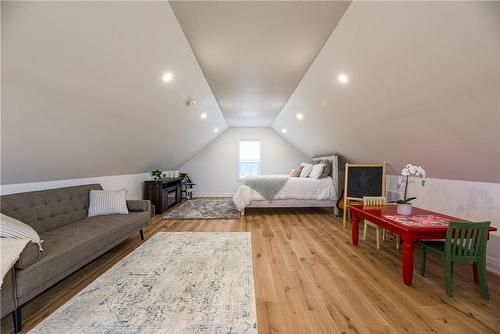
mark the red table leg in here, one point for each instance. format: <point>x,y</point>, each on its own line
<point>474,272</point>
<point>355,229</point>
<point>408,261</point>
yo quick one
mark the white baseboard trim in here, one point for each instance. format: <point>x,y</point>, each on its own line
<point>215,195</point>
<point>493,265</point>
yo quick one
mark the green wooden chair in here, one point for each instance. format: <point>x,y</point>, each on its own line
<point>465,242</point>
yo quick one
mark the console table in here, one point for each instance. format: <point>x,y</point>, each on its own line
<point>163,194</point>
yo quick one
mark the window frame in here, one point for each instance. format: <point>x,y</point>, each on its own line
<point>238,155</point>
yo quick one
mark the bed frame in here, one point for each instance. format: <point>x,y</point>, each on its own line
<point>306,203</point>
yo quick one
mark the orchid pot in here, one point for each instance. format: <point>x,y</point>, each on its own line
<point>404,205</point>
<point>405,209</point>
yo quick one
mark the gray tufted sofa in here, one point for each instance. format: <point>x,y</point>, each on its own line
<point>70,238</point>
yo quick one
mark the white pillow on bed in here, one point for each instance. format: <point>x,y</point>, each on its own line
<point>316,171</point>
<point>306,170</point>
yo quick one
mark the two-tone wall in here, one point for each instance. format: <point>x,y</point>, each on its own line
<point>474,201</point>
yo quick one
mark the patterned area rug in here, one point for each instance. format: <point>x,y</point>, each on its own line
<point>174,283</point>
<point>205,208</point>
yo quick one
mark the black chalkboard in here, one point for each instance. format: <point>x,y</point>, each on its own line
<point>365,181</point>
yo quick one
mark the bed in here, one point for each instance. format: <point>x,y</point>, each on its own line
<point>293,191</point>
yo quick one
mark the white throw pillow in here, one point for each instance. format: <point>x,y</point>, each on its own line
<point>316,171</point>
<point>16,229</point>
<point>307,168</point>
<point>102,203</point>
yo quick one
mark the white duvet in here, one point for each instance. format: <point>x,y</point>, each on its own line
<point>295,188</point>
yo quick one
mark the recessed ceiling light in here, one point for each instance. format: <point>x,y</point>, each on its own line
<point>203,115</point>
<point>216,130</point>
<point>167,77</point>
<point>343,78</point>
<point>283,130</point>
<point>300,116</point>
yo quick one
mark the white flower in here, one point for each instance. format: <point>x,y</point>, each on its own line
<point>405,172</point>
<point>420,171</point>
<point>412,169</point>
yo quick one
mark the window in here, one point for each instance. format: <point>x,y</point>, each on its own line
<point>249,158</point>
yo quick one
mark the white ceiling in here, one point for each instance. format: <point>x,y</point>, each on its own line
<point>254,53</point>
<point>82,91</point>
<point>424,88</point>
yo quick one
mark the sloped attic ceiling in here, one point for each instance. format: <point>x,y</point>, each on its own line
<point>82,91</point>
<point>254,53</point>
<point>424,88</point>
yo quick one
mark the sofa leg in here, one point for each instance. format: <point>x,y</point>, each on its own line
<point>142,234</point>
<point>18,320</point>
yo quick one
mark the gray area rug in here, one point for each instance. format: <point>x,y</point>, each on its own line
<point>205,208</point>
<point>174,283</point>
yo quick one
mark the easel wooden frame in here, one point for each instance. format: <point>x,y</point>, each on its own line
<point>347,199</point>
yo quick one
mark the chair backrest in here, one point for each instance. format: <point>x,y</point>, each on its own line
<point>373,200</point>
<point>466,241</point>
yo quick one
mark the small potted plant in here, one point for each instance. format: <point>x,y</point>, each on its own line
<point>158,175</point>
<point>404,205</point>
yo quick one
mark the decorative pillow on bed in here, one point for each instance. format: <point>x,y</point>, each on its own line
<point>317,170</point>
<point>328,168</point>
<point>296,171</point>
<point>306,169</point>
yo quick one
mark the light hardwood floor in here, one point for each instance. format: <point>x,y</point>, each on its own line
<point>310,279</point>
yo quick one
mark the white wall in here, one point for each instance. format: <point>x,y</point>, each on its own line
<point>475,201</point>
<point>424,82</point>
<point>83,96</point>
<point>133,183</point>
<point>215,168</point>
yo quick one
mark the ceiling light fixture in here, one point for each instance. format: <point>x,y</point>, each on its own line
<point>283,130</point>
<point>203,115</point>
<point>167,77</point>
<point>343,78</point>
<point>216,130</point>
<point>300,116</point>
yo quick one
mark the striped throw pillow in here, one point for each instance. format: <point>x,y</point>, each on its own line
<point>103,203</point>
<point>16,229</point>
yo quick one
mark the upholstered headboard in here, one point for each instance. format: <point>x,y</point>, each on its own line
<point>334,159</point>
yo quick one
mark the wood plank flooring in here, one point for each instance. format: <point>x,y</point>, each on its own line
<point>310,279</point>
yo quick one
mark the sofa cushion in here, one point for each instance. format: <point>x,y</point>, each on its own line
<point>138,205</point>
<point>69,247</point>
<point>31,253</point>
<point>48,209</point>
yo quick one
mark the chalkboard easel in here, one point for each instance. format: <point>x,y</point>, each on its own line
<point>362,180</point>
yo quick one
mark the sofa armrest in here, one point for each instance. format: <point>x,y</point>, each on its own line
<point>30,254</point>
<point>139,205</point>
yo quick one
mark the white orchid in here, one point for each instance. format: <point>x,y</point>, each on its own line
<point>406,172</point>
